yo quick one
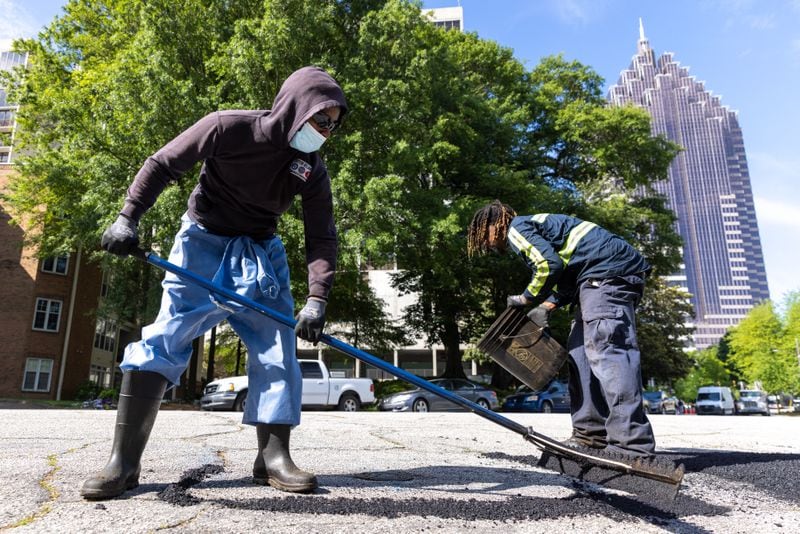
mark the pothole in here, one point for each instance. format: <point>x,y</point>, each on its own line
<point>385,476</point>
<point>177,493</point>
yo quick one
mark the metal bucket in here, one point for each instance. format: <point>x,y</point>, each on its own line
<point>523,348</point>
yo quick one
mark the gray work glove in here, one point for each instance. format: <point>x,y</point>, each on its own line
<point>122,237</point>
<point>311,320</point>
<point>517,301</point>
<point>540,315</point>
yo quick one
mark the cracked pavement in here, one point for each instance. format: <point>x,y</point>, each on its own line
<point>398,472</point>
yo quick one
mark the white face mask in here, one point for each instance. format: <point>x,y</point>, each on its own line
<point>307,139</point>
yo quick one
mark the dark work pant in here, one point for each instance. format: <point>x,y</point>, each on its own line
<point>605,381</point>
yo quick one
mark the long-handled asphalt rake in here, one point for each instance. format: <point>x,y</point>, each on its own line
<point>632,475</point>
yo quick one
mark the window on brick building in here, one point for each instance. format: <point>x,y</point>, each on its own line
<point>100,375</point>
<point>38,372</point>
<point>105,335</point>
<point>48,315</point>
<point>56,264</point>
<point>105,283</point>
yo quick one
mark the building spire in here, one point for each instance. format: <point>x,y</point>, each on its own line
<point>643,46</point>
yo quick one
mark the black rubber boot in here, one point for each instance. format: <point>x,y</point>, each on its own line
<point>274,465</point>
<point>139,399</point>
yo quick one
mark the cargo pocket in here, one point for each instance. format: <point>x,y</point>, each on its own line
<point>604,326</point>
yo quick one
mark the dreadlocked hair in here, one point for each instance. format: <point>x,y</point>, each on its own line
<point>496,213</point>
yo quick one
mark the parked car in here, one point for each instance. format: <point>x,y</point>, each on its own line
<point>715,400</point>
<point>319,390</point>
<point>419,400</point>
<point>752,401</point>
<point>780,403</point>
<point>554,398</point>
<point>659,402</point>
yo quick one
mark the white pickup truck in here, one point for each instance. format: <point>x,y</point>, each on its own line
<point>319,390</point>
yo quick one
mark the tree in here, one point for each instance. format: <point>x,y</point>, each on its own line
<point>662,316</point>
<point>762,347</point>
<point>707,370</point>
<point>108,84</point>
<point>440,123</point>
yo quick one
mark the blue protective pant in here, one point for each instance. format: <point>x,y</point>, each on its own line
<point>258,270</point>
<point>605,381</point>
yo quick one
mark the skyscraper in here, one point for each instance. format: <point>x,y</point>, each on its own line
<point>708,189</point>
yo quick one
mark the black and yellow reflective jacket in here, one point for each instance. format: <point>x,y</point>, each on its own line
<point>564,251</point>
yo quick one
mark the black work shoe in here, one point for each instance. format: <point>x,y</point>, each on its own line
<point>274,465</point>
<point>578,441</point>
<point>139,400</point>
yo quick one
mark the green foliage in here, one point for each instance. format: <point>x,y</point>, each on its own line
<point>440,123</point>
<point>384,388</point>
<point>108,394</point>
<point>87,390</point>
<point>662,334</point>
<point>227,348</point>
<point>763,346</point>
<point>708,370</point>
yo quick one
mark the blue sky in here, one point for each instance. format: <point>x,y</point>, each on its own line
<point>746,51</point>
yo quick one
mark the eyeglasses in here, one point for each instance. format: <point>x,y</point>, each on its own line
<point>324,121</point>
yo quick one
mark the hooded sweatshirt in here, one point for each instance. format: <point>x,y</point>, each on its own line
<point>250,175</point>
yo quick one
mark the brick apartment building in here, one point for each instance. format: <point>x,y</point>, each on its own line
<point>46,324</point>
<point>51,341</point>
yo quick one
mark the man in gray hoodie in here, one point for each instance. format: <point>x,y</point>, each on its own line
<point>253,165</point>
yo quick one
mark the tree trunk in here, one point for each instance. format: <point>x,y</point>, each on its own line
<point>212,349</point>
<point>451,341</point>
<point>238,356</point>
<point>191,380</point>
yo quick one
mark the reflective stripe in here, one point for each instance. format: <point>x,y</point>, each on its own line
<point>533,254</point>
<point>574,237</point>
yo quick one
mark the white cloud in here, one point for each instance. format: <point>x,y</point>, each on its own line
<point>576,12</point>
<point>769,163</point>
<point>762,22</point>
<point>15,23</point>
<point>771,211</point>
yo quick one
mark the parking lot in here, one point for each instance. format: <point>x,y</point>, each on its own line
<point>398,472</point>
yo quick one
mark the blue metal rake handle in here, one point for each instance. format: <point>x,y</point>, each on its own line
<point>358,354</point>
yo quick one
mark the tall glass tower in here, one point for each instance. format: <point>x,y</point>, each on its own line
<point>708,189</point>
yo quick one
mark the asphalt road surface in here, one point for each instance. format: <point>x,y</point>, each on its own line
<point>390,472</point>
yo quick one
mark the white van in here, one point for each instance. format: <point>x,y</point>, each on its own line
<point>715,400</point>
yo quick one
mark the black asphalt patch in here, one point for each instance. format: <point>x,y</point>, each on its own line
<point>773,473</point>
<point>510,509</point>
<point>639,506</point>
<point>177,493</point>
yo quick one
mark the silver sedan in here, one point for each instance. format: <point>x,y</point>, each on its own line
<point>419,400</point>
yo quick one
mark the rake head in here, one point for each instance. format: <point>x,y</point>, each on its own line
<point>656,478</point>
